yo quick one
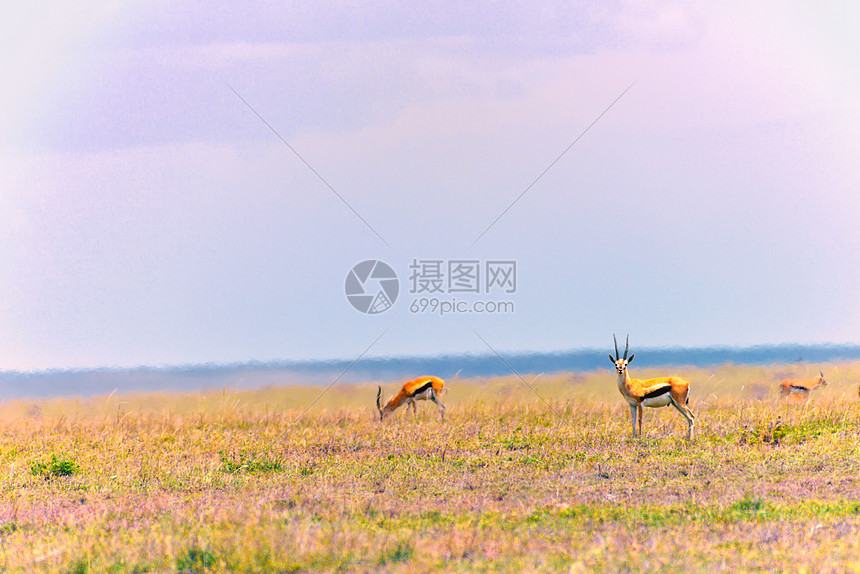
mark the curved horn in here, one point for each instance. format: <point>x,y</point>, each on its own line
<point>617,355</point>
<point>626,347</point>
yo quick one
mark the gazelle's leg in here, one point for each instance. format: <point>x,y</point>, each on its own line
<point>439,404</point>
<point>633,410</point>
<point>639,409</point>
<point>687,414</point>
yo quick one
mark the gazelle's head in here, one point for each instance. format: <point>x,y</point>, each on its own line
<point>822,382</point>
<point>619,361</point>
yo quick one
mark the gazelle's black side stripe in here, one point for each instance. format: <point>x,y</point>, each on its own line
<point>427,385</point>
<point>658,392</point>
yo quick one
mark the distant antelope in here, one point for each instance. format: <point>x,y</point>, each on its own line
<point>801,387</point>
<point>659,392</point>
<point>420,389</point>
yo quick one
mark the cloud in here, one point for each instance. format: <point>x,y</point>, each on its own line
<point>655,26</point>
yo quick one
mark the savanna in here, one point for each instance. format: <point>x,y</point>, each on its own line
<point>513,480</point>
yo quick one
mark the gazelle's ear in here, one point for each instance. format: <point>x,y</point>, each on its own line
<point>630,360</point>
<point>611,359</point>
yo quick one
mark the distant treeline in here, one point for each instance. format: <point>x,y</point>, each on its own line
<point>91,382</point>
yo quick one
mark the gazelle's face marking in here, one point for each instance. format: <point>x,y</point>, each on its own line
<point>621,366</point>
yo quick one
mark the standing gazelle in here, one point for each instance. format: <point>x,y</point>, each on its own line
<point>659,392</point>
<point>420,389</point>
<point>801,387</point>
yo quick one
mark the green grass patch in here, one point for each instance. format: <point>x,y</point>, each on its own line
<point>250,463</point>
<point>58,466</point>
<point>195,560</point>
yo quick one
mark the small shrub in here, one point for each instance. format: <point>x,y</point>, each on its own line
<point>251,465</point>
<point>750,507</point>
<point>195,560</point>
<point>402,552</point>
<point>57,467</point>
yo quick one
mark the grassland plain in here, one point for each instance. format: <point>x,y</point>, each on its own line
<point>224,481</point>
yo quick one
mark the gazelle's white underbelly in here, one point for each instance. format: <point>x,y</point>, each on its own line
<point>422,396</point>
<point>661,401</point>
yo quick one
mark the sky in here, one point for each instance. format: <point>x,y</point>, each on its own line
<point>186,183</point>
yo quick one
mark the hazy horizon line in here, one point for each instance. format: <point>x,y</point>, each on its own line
<point>300,364</point>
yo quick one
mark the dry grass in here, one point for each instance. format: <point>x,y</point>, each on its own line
<point>225,482</point>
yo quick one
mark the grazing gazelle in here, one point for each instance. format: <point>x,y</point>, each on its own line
<point>420,389</point>
<point>801,387</point>
<point>659,392</point>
